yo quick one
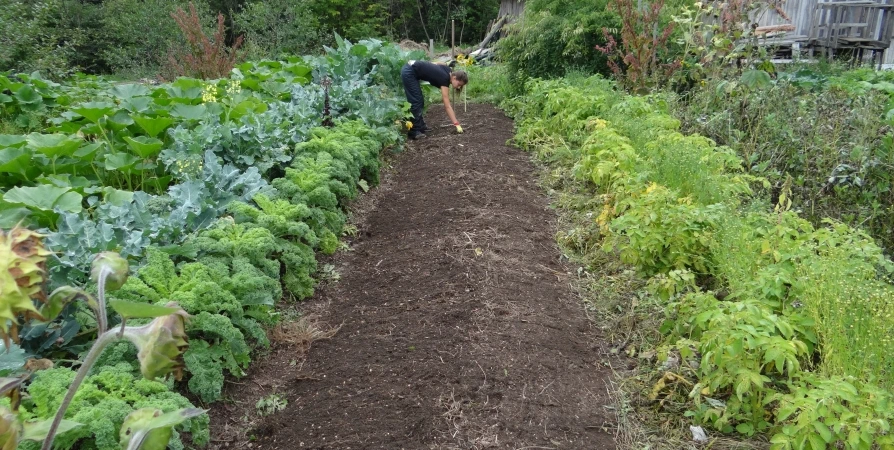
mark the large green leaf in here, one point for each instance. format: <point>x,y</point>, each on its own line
<point>76,183</point>
<point>135,310</point>
<point>137,104</point>
<point>12,215</point>
<point>117,197</point>
<point>250,106</point>
<point>45,198</point>
<point>53,145</point>
<point>120,120</point>
<point>88,152</point>
<point>37,431</point>
<point>131,90</point>
<point>756,79</point>
<point>149,429</point>
<point>185,95</point>
<point>144,146</point>
<point>153,125</point>
<point>12,358</point>
<point>93,111</point>
<point>359,50</point>
<point>28,96</point>
<point>121,161</point>
<point>12,140</point>
<point>299,70</point>
<point>14,160</point>
<point>188,112</point>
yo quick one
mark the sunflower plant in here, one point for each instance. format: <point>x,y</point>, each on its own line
<point>160,343</point>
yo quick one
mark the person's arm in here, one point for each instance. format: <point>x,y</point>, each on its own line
<point>445,95</point>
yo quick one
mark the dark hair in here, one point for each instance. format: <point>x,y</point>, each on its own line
<point>462,77</point>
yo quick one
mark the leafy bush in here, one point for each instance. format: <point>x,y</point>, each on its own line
<point>659,231</point>
<point>555,37</point>
<point>279,28</point>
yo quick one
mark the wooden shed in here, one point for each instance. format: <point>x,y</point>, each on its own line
<point>833,27</point>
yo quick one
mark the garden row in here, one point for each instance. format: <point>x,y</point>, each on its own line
<point>777,327</point>
<point>219,193</point>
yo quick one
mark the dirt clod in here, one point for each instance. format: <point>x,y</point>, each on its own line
<point>459,325</point>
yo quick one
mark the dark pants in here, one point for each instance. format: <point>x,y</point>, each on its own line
<point>414,96</point>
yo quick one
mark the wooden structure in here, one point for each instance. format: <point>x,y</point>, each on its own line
<point>831,27</point>
<point>511,8</point>
<point>509,11</point>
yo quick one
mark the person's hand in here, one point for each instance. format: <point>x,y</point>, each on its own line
<point>459,129</point>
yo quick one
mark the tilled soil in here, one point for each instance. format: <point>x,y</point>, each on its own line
<point>460,328</point>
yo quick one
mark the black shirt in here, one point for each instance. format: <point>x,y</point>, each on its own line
<point>436,74</point>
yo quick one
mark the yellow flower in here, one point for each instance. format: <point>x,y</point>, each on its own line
<point>208,93</point>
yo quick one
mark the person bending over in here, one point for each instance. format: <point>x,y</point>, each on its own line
<point>438,75</point>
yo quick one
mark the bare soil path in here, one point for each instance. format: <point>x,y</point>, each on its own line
<point>460,328</point>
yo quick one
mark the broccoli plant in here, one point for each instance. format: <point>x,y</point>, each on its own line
<point>160,343</point>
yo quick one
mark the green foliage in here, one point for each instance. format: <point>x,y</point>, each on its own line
<point>835,412</point>
<point>555,37</point>
<point>801,312</point>
<point>354,19</point>
<point>659,231</point>
<point>197,148</point>
<point>277,28</point>
<point>827,140</point>
<point>487,84</point>
<point>219,317</point>
<point>103,401</point>
<point>137,34</point>
<point>40,36</point>
<point>60,37</point>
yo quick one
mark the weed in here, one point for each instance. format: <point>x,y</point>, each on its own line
<point>204,57</point>
<point>270,404</point>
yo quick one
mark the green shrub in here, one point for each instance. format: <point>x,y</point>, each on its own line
<point>40,36</point>
<point>659,231</point>
<point>276,28</point>
<point>555,37</point>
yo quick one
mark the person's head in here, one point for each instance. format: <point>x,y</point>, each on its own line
<point>459,78</point>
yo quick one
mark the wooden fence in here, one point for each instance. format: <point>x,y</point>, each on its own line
<point>802,15</point>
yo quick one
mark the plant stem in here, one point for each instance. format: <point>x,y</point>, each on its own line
<point>101,317</point>
<point>101,343</point>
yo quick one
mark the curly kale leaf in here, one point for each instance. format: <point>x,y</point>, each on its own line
<point>220,331</point>
<point>281,217</point>
<point>103,401</point>
<point>205,365</point>
<point>195,288</point>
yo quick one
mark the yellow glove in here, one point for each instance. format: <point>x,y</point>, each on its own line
<point>459,129</point>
